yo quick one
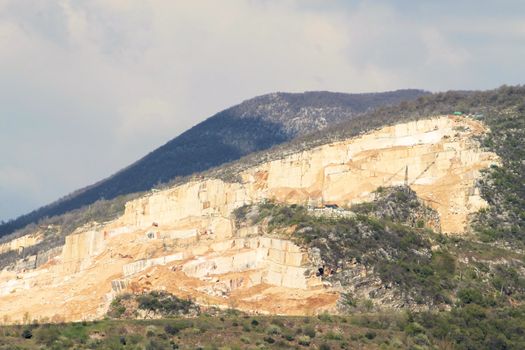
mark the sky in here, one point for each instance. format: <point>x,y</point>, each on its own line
<point>89,86</point>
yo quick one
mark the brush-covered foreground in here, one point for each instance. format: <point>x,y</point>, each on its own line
<point>471,326</point>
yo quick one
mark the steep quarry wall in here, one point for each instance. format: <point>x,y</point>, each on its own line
<point>436,157</point>
<point>194,199</point>
<point>275,262</point>
<point>184,240</point>
<point>79,247</point>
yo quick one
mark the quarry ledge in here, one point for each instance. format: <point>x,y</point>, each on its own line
<point>184,239</point>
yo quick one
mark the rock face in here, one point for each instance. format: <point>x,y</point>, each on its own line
<point>20,243</point>
<point>183,240</point>
<point>436,157</point>
<point>400,204</point>
<point>254,125</point>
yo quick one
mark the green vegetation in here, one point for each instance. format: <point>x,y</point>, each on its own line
<point>415,265</point>
<point>399,204</point>
<point>504,186</point>
<point>468,327</point>
<point>155,303</point>
<point>400,255</point>
<point>472,327</point>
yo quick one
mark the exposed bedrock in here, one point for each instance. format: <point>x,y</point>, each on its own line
<point>184,240</point>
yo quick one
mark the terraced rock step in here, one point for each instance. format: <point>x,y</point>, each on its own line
<point>184,240</point>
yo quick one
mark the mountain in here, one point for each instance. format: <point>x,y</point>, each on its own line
<point>253,125</point>
<point>406,220</point>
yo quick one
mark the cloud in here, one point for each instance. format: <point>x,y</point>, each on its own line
<point>145,116</point>
<point>17,179</point>
<point>442,52</point>
<point>87,87</point>
<point>18,188</point>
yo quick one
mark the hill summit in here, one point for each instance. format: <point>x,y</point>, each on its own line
<point>253,125</point>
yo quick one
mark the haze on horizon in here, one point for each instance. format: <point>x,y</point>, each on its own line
<point>87,87</point>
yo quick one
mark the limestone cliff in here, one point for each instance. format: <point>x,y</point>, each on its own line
<point>436,157</point>
<point>21,242</point>
<point>184,239</point>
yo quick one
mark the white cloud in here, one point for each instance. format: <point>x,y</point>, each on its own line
<point>441,52</point>
<point>148,115</point>
<point>17,179</point>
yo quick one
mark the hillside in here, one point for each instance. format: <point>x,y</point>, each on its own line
<point>253,125</point>
<point>406,222</point>
<point>178,238</point>
<point>213,329</point>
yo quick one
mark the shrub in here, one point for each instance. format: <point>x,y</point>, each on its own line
<point>277,322</point>
<point>368,304</point>
<point>304,340</point>
<point>269,340</point>
<point>370,335</point>
<point>151,331</point>
<point>309,331</point>
<point>470,296</point>
<point>116,308</point>
<point>273,329</point>
<point>325,317</point>
<point>348,299</point>
<point>332,335</point>
<point>421,339</point>
<point>155,345</point>
<point>324,346</point>
<point>171,330</point>
<point>414,328</point>
<point>245,340</point>
<point>47,335</point>
<point>135,338</point>
<point>166,304</point>
<point>27,333</point>
<point>246,327</point>
<point>289,336</point>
